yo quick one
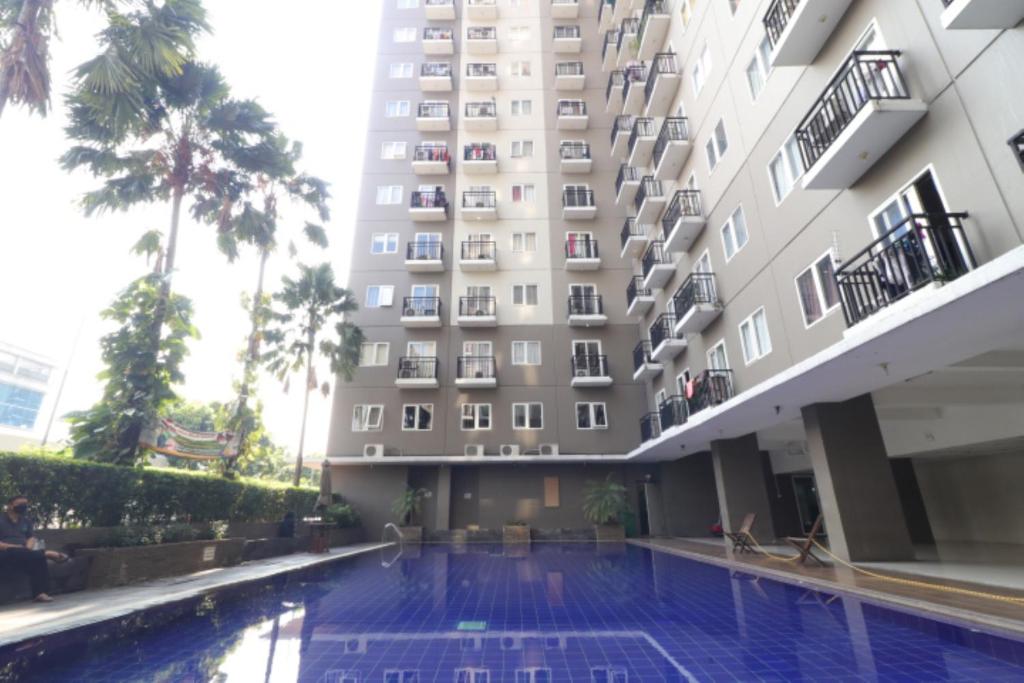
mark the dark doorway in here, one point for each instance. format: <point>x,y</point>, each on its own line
<point>641,497</point>
<point>807,505</point>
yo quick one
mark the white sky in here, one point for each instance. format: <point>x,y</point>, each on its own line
<point>311,66</point>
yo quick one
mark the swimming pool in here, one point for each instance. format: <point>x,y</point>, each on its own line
<point>550,612</point>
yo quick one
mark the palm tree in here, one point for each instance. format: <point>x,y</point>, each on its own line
<point>308,304</point>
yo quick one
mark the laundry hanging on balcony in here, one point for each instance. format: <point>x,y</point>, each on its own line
<point>169,438</point>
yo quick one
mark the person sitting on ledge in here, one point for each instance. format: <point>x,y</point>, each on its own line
<point>18,550</point>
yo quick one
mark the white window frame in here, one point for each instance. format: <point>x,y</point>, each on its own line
<point>397,70</point>
<point>403,108</point>
<point>407,4</point>
<point>520,107</point>
<point>764,346</point>
<point>519,34</point>
<point>476,417</point>
<point>701,70</point>
<point>792,175</point>
<point>526,415</point>
<point>374,354</point>
<point>594,427</point>
<point>385,239</point>
<point>711,350</point>
<point>525,149</point>
<point>819,290</point>
<point>730,223</point>
<point>385,296</point>
<point>713,151</point>
<point>526,352</point>
<point>524,239</point>
<point>525,299</point>
<point>761,61</point>
<point>367,409</point>
<point>393,150</point>
<point>527,193</point>
<point>516,68</point>
<point>403,34</point>
<point>418,407</point>
<point>391,194</point>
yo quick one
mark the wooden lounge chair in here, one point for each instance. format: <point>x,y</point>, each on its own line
<point>805,545</point>
<point>741,538</point>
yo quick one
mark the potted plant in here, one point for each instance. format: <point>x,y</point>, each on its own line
<point>407,509</point>
<point>604,505</point>
<point>515,531</point>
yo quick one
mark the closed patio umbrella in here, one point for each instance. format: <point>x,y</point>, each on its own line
<point>325,498</point>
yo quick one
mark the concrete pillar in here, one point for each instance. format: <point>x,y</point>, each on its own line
<point>863,514</point>
<point>739,478</point>
<point>444,498</point>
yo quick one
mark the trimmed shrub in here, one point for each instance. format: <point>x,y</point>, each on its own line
<point>66,492</point>
<point>343,515</point>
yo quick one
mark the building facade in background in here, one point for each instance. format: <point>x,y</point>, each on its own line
<point>25,386</point>
<point>742,255</point>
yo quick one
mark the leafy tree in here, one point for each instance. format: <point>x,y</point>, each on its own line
<point>306,306</point>
<point>408,505</point>
<point>604,502</point>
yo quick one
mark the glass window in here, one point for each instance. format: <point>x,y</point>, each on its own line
<point>524,295</point>
<point>526,353</point>
<point>392,150</point>
<point>476,416</point>
<point>717,358</point>
<point>19,406</point>
<point>372,354</point>
<point>524,241</point>
<point>367,418</point>
<point>522,149</point>
<point>379,295</point>
<point>519,34</point>
<point>759,68</point>
<point>734,5</point>
<point>754,337</point>
<point>816,290</point>
<point>396,108</point>
<point>400,70</point>
<point>591,416</point>
<point>527,415</point>
<point>716,145</point>
<point>520,67</point>
<point>524,193</point>
<point>408,4</point>
<point>522,107</point>
<point>417,417</point>
<point>404,35</point>
<point>734,233</point>
<point>785,169</point>
<point>384,243</point>
<point>701,69</point>
<point>388,195</point>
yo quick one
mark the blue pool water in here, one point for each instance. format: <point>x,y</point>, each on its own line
<point>482,614</point>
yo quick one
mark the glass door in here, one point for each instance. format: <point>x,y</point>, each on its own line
<point>478,300</point>
<point>583,299</point>
<point>423,300</point>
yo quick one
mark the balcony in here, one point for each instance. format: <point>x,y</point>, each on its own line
<point>923,251</point>
<point>590,370</point>
<point>662,84</point>
<point>650,427</point>
<point>633,238</point>
<point>482,77</point>
<point>480,159</point>
<point>665,343</point>
<point>436,77</point>
<point>582,254</point>
<point>433,117</point>
<point>565,9</point>
<point>673,412</point>
<point>865,109</point>
<point>625,48</point>
<point>644,366</point>
<point>653,27</point>
<point>477,10</point>
<point>476,372</point>
<point>797,29</point>
<point>567,39</point>
<point>439,10</point>
<point>477,311</point>
<point>627,182</point>
<point>606,15</point>
<point>569,76</point>
<point>683,221</point>
<point>478,256</point>
<point>438,41</point>
<point>621,130</point>
<point>431,160</point>
<point>481,116</point>
<point>610,49</point>
<point>696,304</point>
<point>428,206</point>
<point>418,372</point>
<point>657,265</point>
<point>575,157</point>
<point>479,205</point>
<point>572,115</point>
<point>635,77</point>
<point>981,14</point>
<point>649,200</point>
<point>641,141</point>
<point>424,257</point>
<point>671,148</point>
<point>613,91</point>
<point>421,311</point>
<point>709,389</point>
<point>578,205</point>
<point>586,310</point>
<point>639,298</point>
<point>481,40</point>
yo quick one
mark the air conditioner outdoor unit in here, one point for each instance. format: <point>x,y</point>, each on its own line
<point>549,449</point>
<point>581,373</point>
<point>474,450</point>
<point>510,449</point>
<point>373,450</point>
<point>409,312</point>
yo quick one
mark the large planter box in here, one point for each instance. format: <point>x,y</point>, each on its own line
<point>263,548</point>
<point>610,532</point>
<point>515,533</point>
<point>340,537</point>
<point>120,566</point>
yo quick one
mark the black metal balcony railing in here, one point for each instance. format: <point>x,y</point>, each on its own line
<point>697,288</point>
<point>664,327</point>
<point>572,108</point>
<point>589,365</point>
<point>650,427</point>
<point>1016,144</point>
<point>623,124</point>
<point>581,248</point>
<point>643,127</point>
<point>631,229</point>
<point>634,76</point>
<point>476,70</point>
<point>424,251</point>
<point>481,110</point>
<point>642,354</point>
<point>578,151</point>
<point>585,304</point>
<point>476,367</point>
<point>673,412</point>
<point>655,255</point>
<point>484,152</point>
<point>479,199</point>
<point>708,389</point>
<point>436,33</point>
<point>417,367</point>
<point>433,110</point>
<point>569,69</point>
<point>673,129</point>
<point>481,33</point>
<point>649,188</point>
<point>684,203</point>
<point>651,7</point>
<point>421,307</point>
<point>436,70</point>
<point>627,30</point>
<point>616,79</point>
<point>777,18</point>
<point>866,76</point>
<point>636,288</point>
<point>476,306</point>
<point>663,63</point>
<point>567,32</point>
<point>428,199</point>
<point>479,250</point>
<point>611,37</point>
<point>922,249</point>
<point>627,174</point>
<point>431,153</point>
<point>577,199</point>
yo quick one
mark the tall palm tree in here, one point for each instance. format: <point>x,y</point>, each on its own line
<point>307,305</point>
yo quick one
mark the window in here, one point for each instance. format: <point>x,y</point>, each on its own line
<point>389,194</point>
<point>816,289</point>
<point>384,243</point>
<point>392,150</point>
<point>754,337</point>
<point>524,193</point>
<point>373,354</point>
<point>396,108</point>
<point>700,71</point>
<point>526,353</point>
<point>785,168</point>
<point>519,34</point>
<point>416,417</point>
<point>716,145</point>
<point>686,11</point>
<point>734,5</point>
<point>609,674</point>
<point>472,675</point>
<point>524,295</point>
<point>404,35</point>
<point>400,70</point>
<point>523,242</point>
<point>522,107</point>
<point>717,359</point>
<point>379,295</point>
<point>759,68</point>
<point>522,149</point>
<point>591,416</point>
<point>401,676</point>
<point>527,416</point>
<point>476,416</point>
<point>408,4</point>
<point>367,418</point>
<point>520,67</point>
<point>19,406</point>
<point>734,233</point>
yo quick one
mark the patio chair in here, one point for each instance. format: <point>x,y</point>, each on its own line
<point>805,545</point>
<point>741,538</point>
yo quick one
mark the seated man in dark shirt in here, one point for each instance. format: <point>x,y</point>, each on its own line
<point>18,548</point>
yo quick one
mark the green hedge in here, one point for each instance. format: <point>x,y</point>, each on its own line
<point>77,493</point>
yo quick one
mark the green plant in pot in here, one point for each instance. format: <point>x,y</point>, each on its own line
<point>604,505</point>
<point>342,515</point>
<point>407,508</point>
